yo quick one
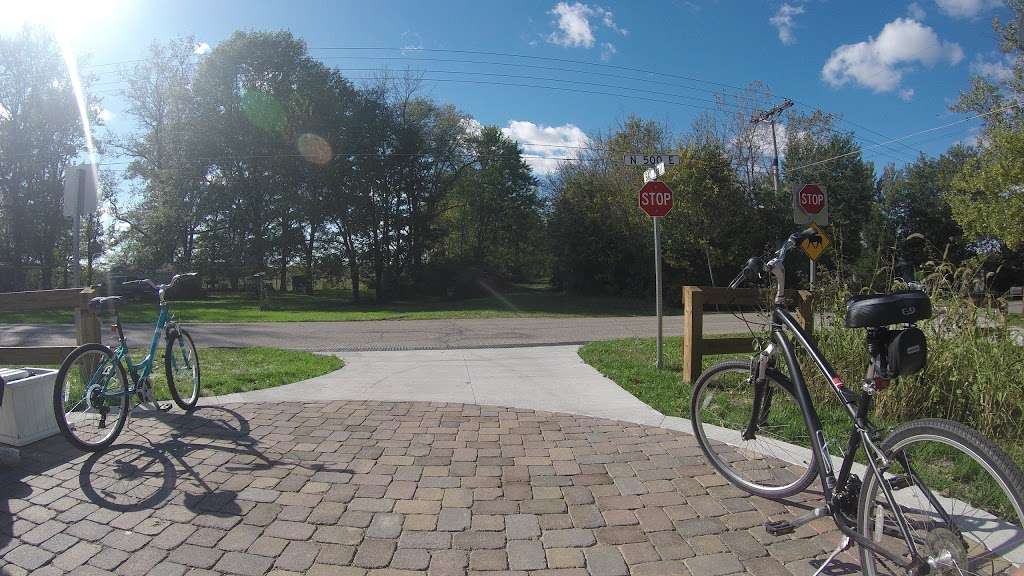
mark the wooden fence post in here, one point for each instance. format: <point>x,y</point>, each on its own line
<point>693,332</point>
<point>87,324</point>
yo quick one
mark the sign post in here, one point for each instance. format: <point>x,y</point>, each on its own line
<point>656,201</point>
<point>810,206</point>
<point>80,199</point>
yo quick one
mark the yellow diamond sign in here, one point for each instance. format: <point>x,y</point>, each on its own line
<point>814,250</point>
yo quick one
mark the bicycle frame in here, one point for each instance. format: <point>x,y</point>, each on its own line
<point>146,364</point>
<point>864,433</point>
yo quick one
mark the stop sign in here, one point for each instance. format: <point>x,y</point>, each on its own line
<point>811,199</point>
<point>656,198</point>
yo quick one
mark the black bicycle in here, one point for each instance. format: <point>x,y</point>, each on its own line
<point>933,497</point>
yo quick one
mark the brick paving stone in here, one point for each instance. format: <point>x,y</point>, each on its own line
<point>615,535</point>
<point>699,526</point>
<point>244,564</point>
<point>28,557</point>
<point>605,561</point>
<point>374,553</point>
<point>565,558</point>
<point>714,564</point>
<point>297,556</point>
<point>448,563</point>
<point>453,519</point>
<point>141,563</point>
<point>75,556</point>
<point>108,559</point>
<point>526,555</point>
<point>478,540</point>
<point>522,526</point>
<point>488,560</point>
<point>410,559</point>
<point>743,545</point>
<point>766,567</point>
<point>425,540</point>
<point>488,522</point>
<point>239,538</point>
<point>571,538</point>
<point>639,553</point>
<point>268,546</point>
<point>663,568</point>
<point>707,544</point>
<point>195,556</point>
<point>385,525</point>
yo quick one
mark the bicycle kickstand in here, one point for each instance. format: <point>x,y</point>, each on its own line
<point>844,545</point>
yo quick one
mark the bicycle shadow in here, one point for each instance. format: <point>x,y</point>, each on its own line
<point>135,476</point>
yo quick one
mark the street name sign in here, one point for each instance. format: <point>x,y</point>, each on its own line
<point>649,160</point>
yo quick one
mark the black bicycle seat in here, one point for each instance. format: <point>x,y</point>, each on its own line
<point>97,304</point>
<point>876,310</point>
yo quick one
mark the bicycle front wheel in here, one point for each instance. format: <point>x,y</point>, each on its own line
<point>90,398</point>
<point>957,493</point>
<point>181,364</point>
<point>776,461</point>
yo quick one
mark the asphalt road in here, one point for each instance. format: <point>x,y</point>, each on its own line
<point>393,334</point>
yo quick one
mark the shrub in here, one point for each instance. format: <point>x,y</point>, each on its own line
<point>974,371</point>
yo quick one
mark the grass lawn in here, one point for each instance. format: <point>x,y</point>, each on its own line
<point>522,300</point>
<point>630,364</point>
<point>230,370</point>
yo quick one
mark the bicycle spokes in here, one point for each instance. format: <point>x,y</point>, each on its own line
<point>92,396</point>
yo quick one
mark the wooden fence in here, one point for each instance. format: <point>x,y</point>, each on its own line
<point>87,325</point>
<point>695,298</point>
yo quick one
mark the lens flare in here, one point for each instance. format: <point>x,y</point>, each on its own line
<point>315,149</point>
<point>83,109</point>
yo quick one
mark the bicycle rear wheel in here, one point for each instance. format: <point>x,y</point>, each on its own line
<point>769,464</point>
<point>90,400</point>
<point>960,495</point>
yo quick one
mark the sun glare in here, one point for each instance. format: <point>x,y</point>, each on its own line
<point>74,19</point>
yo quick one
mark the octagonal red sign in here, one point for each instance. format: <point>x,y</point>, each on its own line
<point>811,199</point>
<point>656,198</point>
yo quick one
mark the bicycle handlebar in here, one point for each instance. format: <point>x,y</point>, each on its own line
<point>161,287</point>
<point>754,266</point>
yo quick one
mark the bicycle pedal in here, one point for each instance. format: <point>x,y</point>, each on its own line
<point>779,527</point>
<point>164,407</point>
<point>900,482</point>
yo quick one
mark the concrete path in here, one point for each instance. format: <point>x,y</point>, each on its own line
<point>394,334</point>
<point>552,378</point>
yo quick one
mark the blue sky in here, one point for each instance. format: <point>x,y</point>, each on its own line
<point>890,66</point>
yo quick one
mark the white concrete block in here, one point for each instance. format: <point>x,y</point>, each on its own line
<point>27,413</point>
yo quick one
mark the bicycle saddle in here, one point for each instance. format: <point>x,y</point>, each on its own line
<point>96,304</point>
<point>876,310</point>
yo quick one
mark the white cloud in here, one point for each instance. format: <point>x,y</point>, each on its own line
<point>202,48</point>
<point>783,22</point>
<point>879,63</point>
<point>965,8</point>
<point>575,29</point>
<point>915,11</point>
<point>607,50</point>
<point>998,70</point>
<point>546,143</point>
<point>906,94</point>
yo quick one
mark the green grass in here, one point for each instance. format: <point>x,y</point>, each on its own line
<point>230,370</point>
<point>521,301</point>
<point>630,364</point>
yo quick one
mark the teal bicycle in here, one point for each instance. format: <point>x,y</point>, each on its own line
<point>93,391</point>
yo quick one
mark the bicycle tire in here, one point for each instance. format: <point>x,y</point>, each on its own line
<point>189,403</point>
<point>751,454</point>
<point>937,542</point>
<point>58,398</point>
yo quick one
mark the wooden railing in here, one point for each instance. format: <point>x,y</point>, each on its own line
<point>87,325</point>
<point>695,298</point>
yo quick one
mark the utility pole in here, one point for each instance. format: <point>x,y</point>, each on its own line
<point>770,116</point>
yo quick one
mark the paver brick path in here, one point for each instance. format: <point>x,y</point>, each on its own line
<point>377,488</point>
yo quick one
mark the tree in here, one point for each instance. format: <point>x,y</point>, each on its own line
<point>40,136</point>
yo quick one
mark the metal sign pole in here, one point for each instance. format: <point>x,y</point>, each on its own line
<point>76,248</point>
<point>657,282</point>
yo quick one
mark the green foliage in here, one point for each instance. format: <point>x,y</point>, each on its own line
<point>986,196</point>
<point>973,372</point>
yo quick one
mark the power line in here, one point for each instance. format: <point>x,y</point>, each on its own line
<point>530,57</point>
<point>904,137</point>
